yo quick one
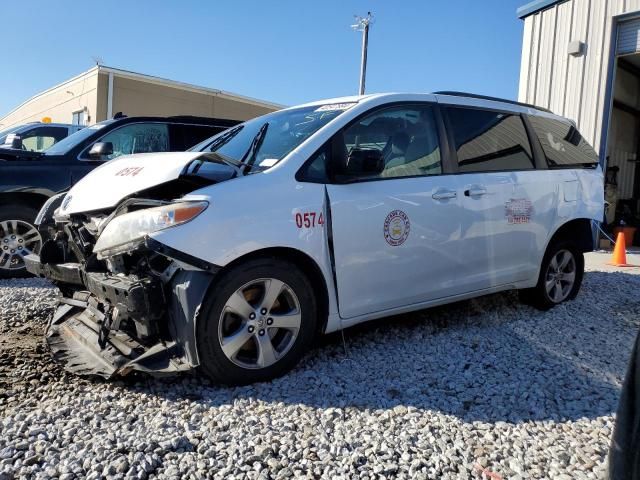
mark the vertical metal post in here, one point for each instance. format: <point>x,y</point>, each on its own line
<point>363,63</point>
<point>109,97</point>
<point>362,25</point>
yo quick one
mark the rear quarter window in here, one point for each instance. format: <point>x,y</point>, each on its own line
<point>563,145</point>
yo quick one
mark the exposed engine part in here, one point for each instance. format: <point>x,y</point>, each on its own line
<point>130,311</point>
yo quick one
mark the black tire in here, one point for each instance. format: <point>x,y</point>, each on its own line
<point>21,213</point>
<point>214,363</point>
<point>538,297</point>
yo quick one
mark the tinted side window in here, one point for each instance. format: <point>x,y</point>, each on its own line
<point>489,141</point>
<point>406,137</point>
<point>316,169</point>
<point>562,143</point>
<point>184,136</point>
<point>137,138</point>
<point>41,138</point>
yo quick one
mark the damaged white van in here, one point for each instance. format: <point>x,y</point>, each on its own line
<point>232,257</point>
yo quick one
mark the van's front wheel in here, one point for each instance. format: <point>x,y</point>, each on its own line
<point>256,323</point>
<point>560,277</point>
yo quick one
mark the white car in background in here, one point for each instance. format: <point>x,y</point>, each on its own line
<point>232,257</point>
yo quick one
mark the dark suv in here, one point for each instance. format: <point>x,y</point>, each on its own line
<point>36,136</point>
<point>28,179</point>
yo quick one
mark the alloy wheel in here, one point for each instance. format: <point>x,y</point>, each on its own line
<point>259,323</point>
<point>561,276</point>
<point>17,239</point>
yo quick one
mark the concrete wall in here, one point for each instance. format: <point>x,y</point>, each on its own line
<point>59,103</point>
<point>138,97</point>
<point>571,86</point>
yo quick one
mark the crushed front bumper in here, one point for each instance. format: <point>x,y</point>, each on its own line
<point>110,325</point>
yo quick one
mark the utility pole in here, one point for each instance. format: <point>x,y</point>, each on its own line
<point>362,25</point>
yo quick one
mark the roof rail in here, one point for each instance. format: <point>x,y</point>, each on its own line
<point>495,99</point>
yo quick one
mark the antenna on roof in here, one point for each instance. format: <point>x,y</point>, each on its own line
<point>97,60</point>
<point>362,25</point>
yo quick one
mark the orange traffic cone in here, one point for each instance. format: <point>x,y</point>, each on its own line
<point>619,258</point>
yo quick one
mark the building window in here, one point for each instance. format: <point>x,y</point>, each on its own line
<point>77,118</point>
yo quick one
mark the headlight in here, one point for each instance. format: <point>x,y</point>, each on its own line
<point>128,229</point>
<point>47,210</point>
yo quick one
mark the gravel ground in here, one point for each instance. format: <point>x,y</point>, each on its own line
<point>481,389</point>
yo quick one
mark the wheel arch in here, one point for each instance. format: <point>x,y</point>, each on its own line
<point>308,266</point>
<point>577,230</point>
<point>29,199</point>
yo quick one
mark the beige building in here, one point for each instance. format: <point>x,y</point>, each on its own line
<point>101,92</point>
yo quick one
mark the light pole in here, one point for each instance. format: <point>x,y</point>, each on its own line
<point>362,25</point>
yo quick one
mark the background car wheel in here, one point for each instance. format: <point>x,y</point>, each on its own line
<point>18,237</point>
<point>560,277</point>
<point>256,323</point>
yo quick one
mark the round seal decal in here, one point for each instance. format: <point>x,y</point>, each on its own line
<point>396,228</point>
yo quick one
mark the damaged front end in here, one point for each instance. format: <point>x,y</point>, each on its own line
<point>129,302</point>
<point>132,310</point>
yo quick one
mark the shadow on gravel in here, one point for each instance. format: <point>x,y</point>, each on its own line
<point>489,359</point>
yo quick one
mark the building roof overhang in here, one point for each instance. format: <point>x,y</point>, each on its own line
<point>536,6</point>
<point>153,80</point>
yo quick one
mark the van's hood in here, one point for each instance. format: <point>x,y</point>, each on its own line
<point>108,184</point>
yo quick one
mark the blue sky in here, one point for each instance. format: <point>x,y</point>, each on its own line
<point>287,52</point>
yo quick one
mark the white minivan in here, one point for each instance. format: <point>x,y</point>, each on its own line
<point>233,256</point>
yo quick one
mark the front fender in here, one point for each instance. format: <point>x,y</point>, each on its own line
<point>254,213</point>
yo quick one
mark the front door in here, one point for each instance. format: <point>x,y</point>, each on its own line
<point>396,234</point>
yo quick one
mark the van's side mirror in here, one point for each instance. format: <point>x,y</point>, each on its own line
<point>363,162</point>
<point>100,150</point>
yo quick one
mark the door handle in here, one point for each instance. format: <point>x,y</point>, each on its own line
<point>444,194</point>
<point>475,192</point>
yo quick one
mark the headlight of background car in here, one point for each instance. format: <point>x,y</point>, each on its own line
<point>46,212</point>
<point>126,230</point>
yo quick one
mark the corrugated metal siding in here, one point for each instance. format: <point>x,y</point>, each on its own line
<point>561,63</point>
<point>526,59</point>
<point>629,37</point>
<point>571,86</point>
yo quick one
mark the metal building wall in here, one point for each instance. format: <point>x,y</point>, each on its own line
<point>571,86</point>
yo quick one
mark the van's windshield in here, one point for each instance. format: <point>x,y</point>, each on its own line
<point>264,141</point>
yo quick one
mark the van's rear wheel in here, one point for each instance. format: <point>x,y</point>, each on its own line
<point>18,237</point>
<point>256,322</point>
<point>560,277</point>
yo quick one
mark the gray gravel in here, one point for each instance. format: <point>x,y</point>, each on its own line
<point>481,389</point>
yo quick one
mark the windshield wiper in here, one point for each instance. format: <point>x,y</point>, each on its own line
<point>238,165</point>
<point>248,158</point>
<point>224,137</point>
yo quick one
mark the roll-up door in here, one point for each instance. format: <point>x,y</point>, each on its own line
<point>629,37</point>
